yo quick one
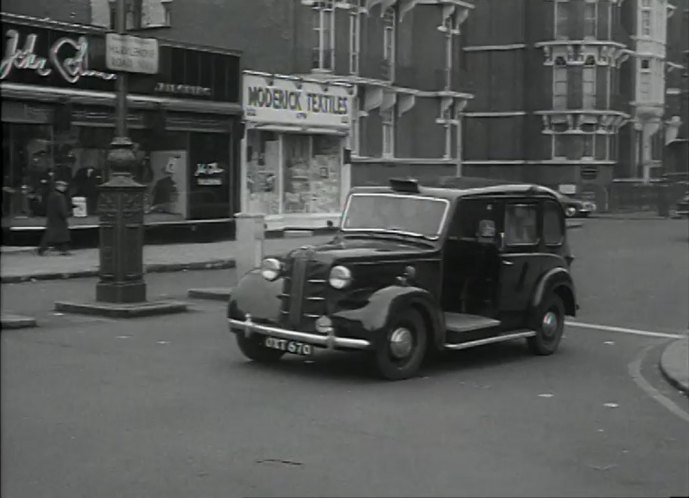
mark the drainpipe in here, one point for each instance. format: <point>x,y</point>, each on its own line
<point>459,144</point>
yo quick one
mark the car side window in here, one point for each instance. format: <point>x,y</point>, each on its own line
<point>521,224</point>
<point>553,224</point>
<point>473,219</point>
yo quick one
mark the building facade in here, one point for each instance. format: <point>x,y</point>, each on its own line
<point>572,95</point>
<point>399,58</point>
<point>58,122</point>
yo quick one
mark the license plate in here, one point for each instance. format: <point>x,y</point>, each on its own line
<point>294,347</point>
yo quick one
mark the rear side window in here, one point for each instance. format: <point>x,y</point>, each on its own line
<point>521,224</point>
<point>472,214</point>
<point>553,224</point>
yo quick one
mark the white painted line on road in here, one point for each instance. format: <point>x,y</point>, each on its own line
<point>635,372</point>
<point>623,330</point>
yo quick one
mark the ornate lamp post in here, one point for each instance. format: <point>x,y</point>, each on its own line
<point>120,206</point>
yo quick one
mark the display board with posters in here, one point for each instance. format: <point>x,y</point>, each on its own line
<point>167,192</point>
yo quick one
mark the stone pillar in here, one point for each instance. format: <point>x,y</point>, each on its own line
<point>249,237</point>
<point>120,205</point>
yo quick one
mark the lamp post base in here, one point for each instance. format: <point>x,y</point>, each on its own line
<point>121,292</point>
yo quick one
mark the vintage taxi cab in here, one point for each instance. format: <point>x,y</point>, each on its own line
<point>415,268</point>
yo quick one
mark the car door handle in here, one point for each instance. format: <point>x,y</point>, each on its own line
<point>507,263</point>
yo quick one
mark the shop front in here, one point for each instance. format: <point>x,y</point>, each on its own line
<point>58,121</point>
<point>295,160</point>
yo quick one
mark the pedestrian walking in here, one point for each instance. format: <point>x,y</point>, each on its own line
<point>56,227</point>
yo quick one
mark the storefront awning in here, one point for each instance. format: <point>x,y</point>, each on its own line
<point>312,130</point>
<point>88,97</point>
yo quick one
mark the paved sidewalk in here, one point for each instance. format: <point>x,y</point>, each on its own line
<point>674,363</point>
<point>22,264</point>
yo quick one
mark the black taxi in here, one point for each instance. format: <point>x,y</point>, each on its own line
<point>413,268</point>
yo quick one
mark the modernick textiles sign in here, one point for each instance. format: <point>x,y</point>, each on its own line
<point>283,102</point>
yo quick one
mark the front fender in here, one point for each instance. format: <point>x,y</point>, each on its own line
<point>256,296</point>
<point>559,281</point>
<point>383,304</point>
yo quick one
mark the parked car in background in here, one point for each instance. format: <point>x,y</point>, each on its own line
<point>412,269</point>
<point>575,208</point>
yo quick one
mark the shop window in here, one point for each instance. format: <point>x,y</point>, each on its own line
<point>561,15</point>
<point>311,175</point>
<point>28,168</point>
<point>209,176</point>
<point>553,229</point>
<point>262,170</point>
<point>521,224</point>
<point>590,18</point>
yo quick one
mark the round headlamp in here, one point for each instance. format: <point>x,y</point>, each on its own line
<point>270,268</point>
<point>340,277</point>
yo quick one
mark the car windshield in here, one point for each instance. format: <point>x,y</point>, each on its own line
<point>406,214</point>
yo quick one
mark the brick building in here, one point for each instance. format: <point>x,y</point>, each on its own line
<point>572,92</point>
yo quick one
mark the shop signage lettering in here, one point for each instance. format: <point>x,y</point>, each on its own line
<point>204,174</point>
<point>173,88</point>
<point>296,100</point>
<point>68,57</point>
<point>279,100</point>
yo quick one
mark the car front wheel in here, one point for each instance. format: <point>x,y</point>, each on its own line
<point>253,349</point>
<point>400,355</point>
<point>548,321</point>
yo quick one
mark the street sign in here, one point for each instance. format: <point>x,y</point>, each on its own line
<point>131,54</point>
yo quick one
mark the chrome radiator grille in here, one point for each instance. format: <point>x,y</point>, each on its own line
<point>303,297</point>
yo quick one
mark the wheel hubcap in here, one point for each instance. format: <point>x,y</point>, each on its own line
<point>550,324</point>
<point>401,342</point>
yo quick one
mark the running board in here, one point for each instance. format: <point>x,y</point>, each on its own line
<point>490,340</point>
<point>464,322</point>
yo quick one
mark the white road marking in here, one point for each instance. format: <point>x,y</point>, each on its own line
<point>623,330</point>
<point>635,372</point>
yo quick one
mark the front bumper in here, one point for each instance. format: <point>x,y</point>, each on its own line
<point>329,341</point>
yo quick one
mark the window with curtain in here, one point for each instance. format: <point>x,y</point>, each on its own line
<point>561,19</point>
<point>324,35</point>
<point>388,121</point>
<point>559,85</point>
<point>589,86</point>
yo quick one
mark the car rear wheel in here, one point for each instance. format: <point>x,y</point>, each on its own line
<point>548,322</point>
<point>253,349</point>
<point>400,355</point>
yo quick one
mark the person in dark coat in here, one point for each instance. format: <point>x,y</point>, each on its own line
<point>56,227</point>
